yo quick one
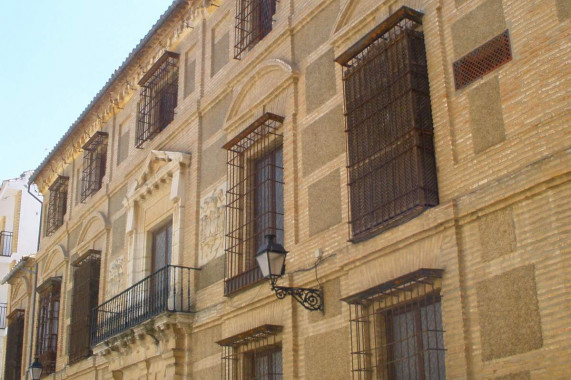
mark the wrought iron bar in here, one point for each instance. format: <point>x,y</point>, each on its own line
<point>6,243</point>
<point>166,290</point>
<point>254,20</point>
<point>310,299</point>
<point>254,200</point>
<point>390,154</point>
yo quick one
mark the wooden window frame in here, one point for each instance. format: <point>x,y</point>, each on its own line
<point>243,230</point>
<point>57,205</point>
<point>158,98</point>
<point>391,166</point>
<point>84,299</point>
<point>48,323</point>
<point>15,345</point>
<point>94,164</point>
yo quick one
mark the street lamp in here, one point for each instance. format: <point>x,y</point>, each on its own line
<point>271,260</point>
<point>35,370</point>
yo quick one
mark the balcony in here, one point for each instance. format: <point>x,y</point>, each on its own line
<point>6,243</point>
<point>3,308</point>
<point>166,290</point>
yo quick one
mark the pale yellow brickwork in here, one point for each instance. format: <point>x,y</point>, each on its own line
<point>502,154</point>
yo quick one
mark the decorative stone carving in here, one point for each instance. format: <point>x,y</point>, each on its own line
<point>212,210</point>
<point>115,279</point>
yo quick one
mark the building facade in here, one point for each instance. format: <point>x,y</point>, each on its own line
<point>412,156</point>
<point>19,222</point>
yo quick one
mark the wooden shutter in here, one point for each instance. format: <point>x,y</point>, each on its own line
<point>14,344</point>
<point>84,300</point>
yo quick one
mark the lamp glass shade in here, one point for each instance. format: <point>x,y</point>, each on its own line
<point>271,263</point>
<point>271,258</point>
<point>35,370</point>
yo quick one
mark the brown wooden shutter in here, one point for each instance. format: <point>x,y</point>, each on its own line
<point>14,344</point>
<point>84,300</point>
<point>48,320</point>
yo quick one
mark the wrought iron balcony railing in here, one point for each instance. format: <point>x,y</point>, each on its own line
<point>166,290</point>
<point>6,243</point>
<point>3,309</point>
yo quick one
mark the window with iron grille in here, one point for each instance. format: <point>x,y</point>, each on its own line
<point>159,96</point>
<point>396,329</point>
<point>57,205</point>
<point>48,317</point>
<point>15,343</point>
<point>84,300</point>
<point>390,153</point>
<point>253,355</point>
<point>253,22</point>
<point>254,200</point>
<point>94,162</point>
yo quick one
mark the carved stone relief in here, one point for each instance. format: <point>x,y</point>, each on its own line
<point>115,279</point>
<point>212,210</point>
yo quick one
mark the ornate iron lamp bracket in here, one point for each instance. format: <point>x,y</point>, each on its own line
<point>309,298</point>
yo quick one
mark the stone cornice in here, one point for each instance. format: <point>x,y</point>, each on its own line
<point>166,34</point>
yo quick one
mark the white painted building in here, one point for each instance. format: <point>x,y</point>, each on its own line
<point>19,224</point>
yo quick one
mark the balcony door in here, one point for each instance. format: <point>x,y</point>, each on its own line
<point>162,247</point>
<point>160,279</point>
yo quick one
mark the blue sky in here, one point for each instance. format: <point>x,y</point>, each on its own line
<point>54,58</point>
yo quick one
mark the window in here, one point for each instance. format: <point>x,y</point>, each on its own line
<point>57,205</point>
<point>390,153</point>
<point>253,22</point>
<point>94,162</point>
<point>253,355</point>
<point>396,329</point>
<point>6,243</point>
<point>84,300</point>
<point>482,60</point>
<point>159,96</point>
<point>254,198</point>
<point>48,317</point>
<point>15,343</point>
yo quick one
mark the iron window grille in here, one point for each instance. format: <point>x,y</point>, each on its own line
<point>6,243</point>
<point>390,153</point>
<point>253,355</point>
<point>482,60</point>
<point>396,329</point>
<point>57,205</point>
<point>48,318</point>
<point>94,163</point>
<point>159,96</point>
<point>253,22</point>
<point>84,300</point>
<point>254,200</point>
<point>15,343</point>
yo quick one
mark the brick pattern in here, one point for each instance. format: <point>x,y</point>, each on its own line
<point>524,170</point>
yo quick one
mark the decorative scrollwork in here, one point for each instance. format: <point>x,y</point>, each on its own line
<point>310,299</point>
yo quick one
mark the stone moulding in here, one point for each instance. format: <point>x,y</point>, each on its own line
<point>159,332</point>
